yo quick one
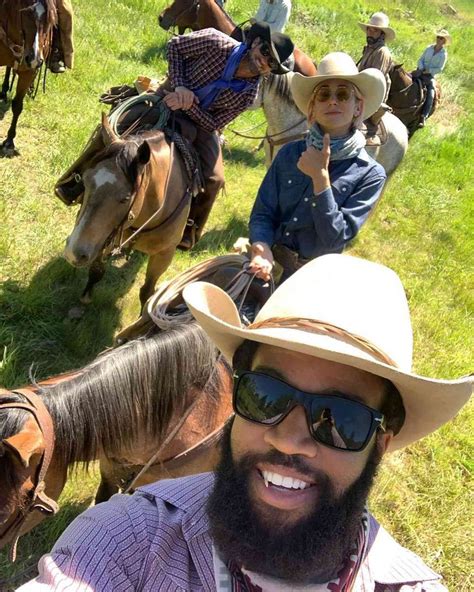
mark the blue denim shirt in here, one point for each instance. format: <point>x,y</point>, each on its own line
<point>433,62</point>
<point>286,210</point>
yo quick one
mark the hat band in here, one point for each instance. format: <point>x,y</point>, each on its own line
<point>324,328</point>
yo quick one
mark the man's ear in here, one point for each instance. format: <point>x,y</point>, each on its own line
<point>255,42</point>
<point>384,440</point>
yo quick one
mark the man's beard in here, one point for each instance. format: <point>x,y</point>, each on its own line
<point>311,550</point>
<point>373,40</point>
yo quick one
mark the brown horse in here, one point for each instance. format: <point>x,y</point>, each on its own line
<point>201,14</point>
<point>165,392</point>
<point>407,96</point>
<point>26,28</point>
<point>137,193</point>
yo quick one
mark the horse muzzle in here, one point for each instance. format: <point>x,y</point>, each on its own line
<point>165,22</point>
<point>77,255</point>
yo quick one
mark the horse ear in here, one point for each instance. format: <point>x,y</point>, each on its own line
<point>144,153</point>
<point>108,134</point>
<point>24,445</point>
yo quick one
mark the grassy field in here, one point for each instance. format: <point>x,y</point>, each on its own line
<point>422,228</point>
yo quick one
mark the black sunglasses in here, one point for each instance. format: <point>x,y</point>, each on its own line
<point>333,420</point>
<point>266,51</point>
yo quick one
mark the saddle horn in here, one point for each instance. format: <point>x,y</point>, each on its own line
<point>108,134</point>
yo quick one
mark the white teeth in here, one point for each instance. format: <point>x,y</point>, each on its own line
<point>281,481</point>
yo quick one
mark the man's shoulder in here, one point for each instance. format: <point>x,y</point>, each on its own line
<point>185,493</point>
<point>390,563</point>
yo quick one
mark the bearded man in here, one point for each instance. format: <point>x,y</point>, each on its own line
<point>323,388</point>
<point>377,55</point>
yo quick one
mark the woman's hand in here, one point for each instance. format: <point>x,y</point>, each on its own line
<point>315,164</point>
<point>261,262</point>
<point>180,98</point>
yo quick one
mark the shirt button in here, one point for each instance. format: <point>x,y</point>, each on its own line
<point>306,199</point>
<point>314,204</point>
<point>289,182</point>
<point>295,219</point>
<point>344,189</point>
<point>287,234</point>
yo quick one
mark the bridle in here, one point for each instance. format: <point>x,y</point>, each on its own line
<point>195,4</point>
<point>37,498</point>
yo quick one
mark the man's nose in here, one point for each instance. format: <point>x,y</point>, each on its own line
<point>291,436</point>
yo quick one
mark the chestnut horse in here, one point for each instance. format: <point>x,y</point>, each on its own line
<point>201,14</point>
<point>168,391</point>
<point>26,28</point>
<point>137,193</point>
<point>407,97</point>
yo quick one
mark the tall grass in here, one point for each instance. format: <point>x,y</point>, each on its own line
<point>422,229</point>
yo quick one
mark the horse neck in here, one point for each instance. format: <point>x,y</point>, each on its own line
<point>210,14</point>
<point>281,111</point>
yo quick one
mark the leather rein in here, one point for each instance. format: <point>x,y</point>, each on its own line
<point>37,499</point>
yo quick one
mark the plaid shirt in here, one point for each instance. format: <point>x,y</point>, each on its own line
<point>199,58</point>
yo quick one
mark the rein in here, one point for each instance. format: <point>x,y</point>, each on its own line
<point>38,500</point>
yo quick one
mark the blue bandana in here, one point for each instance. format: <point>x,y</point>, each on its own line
<point>207,94</point>
<point>341,148</point>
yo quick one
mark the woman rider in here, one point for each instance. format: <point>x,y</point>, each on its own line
<point>319,191</point>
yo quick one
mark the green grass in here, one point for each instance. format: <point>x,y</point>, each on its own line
<point>422,229</point>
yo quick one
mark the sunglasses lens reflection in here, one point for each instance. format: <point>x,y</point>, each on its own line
<point>338,422</point>
<point>342,94</point>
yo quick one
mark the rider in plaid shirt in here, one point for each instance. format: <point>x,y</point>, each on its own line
<point>211,79</point>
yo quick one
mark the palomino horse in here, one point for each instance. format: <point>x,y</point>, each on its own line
<point>137,193</point>
<point>407,96</point>
<point>26,28</point>
<point>201,14</point>
<point>285,123</point>
<point>167,391</point>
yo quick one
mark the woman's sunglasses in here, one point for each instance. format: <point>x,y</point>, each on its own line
<point>333,420</point>
<point>342,94</point>
<point>266,51</point>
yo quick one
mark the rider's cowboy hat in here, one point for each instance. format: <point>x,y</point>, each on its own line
<point>280,45</point>
<point>346,310</point>
<point>443,33</point>
<point>339,65</point>
<point>379,20</point>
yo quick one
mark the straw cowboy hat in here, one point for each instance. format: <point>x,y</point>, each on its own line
<point>339,65</point>
<point>443,33</point>
<point>379,20</point>
<point>346,310</point>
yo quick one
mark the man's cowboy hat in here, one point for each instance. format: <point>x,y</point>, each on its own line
<point>379,20</point>
<point>339,65</point>
<point>443,33</point>
<point>346,310</point>
<point>281,46</point>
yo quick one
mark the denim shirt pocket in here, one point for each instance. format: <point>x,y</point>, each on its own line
<point>342,189</point>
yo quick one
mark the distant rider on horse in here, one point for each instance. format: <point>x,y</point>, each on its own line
<point>432,62</point>
<point>377,55</point>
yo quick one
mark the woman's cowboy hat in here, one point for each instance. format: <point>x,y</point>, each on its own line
<point>281,46</point>
<point>379,20</point>
<point>339,65</point>
<point>443,33</point>
<point>346,310</point>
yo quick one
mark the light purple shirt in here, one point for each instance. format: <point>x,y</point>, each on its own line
<point>159,540</point>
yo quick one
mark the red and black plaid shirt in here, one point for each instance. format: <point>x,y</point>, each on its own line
<point>199,58</point>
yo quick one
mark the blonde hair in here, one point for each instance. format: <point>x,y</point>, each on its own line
<point>357,120</point>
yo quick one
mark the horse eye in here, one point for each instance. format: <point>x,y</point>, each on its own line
<point>125,199</point>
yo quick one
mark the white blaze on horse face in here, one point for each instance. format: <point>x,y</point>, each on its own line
<point>102,177</point>
<point>39,10</point>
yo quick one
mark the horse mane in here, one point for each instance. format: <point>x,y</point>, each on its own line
<point>125,151</point>
<point>133,389</point>
<point>282,88</point>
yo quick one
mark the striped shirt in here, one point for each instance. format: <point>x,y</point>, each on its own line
<point>159,540</point>
<point>199,58</point>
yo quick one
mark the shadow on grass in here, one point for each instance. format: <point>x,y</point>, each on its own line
<point>149,56</point>
<point>224,238</point>
<point>250,157</point>
<point>37,327</point>
<point>35,544</point>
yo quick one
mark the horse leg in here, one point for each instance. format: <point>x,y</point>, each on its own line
<point>157,264</point>
<point>96,273</point>
<point>25,80</point>
<point>108,484</point>
<point>5,85</point>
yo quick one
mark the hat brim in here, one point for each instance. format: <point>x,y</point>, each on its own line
<point>429,403</point>
<point>262,29</point>
<point>389,32</point>
<point>370,82</point>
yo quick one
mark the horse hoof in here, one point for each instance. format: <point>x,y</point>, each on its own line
<point>86,299</point>
<point>8,150</point>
